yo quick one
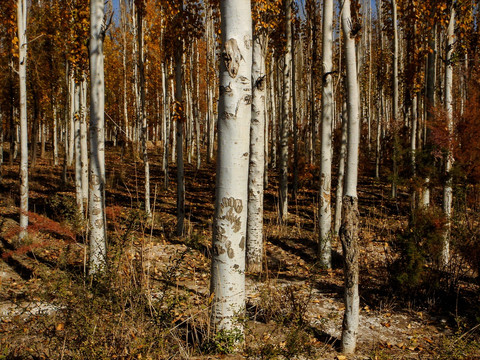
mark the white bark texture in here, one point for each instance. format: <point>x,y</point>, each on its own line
<point>447,190</point>
<point>22,72</point>
<point>179,143</point>
<point>142,112</point>
<point>395,100</point>
<point>77,151</point>
<point>325,211</point>
<point>83,141</point>
<point>97,219</point>
<point>286,115</point>
<point>257,158</point>
<point>55,134</point>
<point>71,125</point>
<point>166,125</point>
<point>349,228</point>
<point>230,222</point>
<point>341,169</point>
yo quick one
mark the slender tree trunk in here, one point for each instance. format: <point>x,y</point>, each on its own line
<point>257,160</point>
<point>230,221</point>
<point>378,147</point>
<point>43,136</point>
<point>125,75</point>
<point>341,169</point>
<point>22,72</point>
<point>447,190</point>
<point>294,117</point>
<point>274,113</point>
<point>166,126</point>
<point>285,124</point>
<point>98,236</point>
<point>313,96</point>
<point>83,141</point>
<point>55,134</point>
<point>77,151</point>
<point>268,116</point>
<point>350,218</point>
<point>71,121</point>
<point>395,101</point>
<point>197,105</point>
<point>210,77</point>
<point>430,94</point>
<point>142,110</point>
<point>413,144</point>
<point>173,123</point>
<point>325,210</point>
<point>179,136</point>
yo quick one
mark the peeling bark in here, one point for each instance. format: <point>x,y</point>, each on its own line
<point>230,220</point>
<point>349,238</point>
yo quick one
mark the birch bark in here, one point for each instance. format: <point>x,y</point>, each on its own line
<point>142,113</point>
<point>84,141</point>
<point>325,211</point>
<point>257,158</point>
<point>395,100</point>
<point>77,151</point>
<point>179,136</point>
<point>22,73</point>
<point>97,219</point>
<point>350,219</point>
<point>230,221</point>
<point>447,190</point>
<point>286,115</point>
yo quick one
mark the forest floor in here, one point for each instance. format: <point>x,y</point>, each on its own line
<point>154,303</point>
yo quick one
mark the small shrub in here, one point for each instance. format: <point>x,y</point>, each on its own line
<point>224,342</point>
<point>63,208</point>
<point>418,249</point>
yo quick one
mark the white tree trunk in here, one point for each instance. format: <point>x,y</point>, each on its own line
<point>341,169</point>
<point>97,219</point>
<point>124,25</point>
<point>395,100</point>
<point>413,146</point>
<point>71,120</point>
<point>447,190</point>
<point>350,218</point>
<point>325,210</point>
<point>22,72</point>
<point>77,151</point>
<point>142,111</point>
<point>257,158</point>
<point>286,115</point>
<point>83,141</point>
<point>179,141</point>
<point>166,124</point>
<point>230,221</point>
<point>55,134</point>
